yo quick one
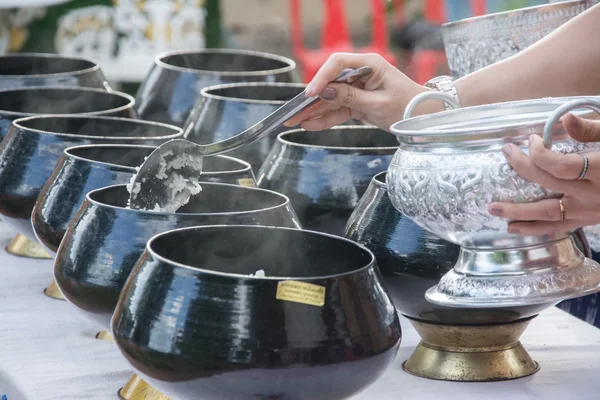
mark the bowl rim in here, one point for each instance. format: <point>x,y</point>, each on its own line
<point>69,155</point>
<point>17,123</point>
<point>371,264</point>
<point>95,65</point>
<point>291,64</point>
<point>206,92</point>
<point>285,201</point>
<point>379,183</point>
<point>281,139</point>
<point>130,100</point>
<point>459,125</point>
<point>519,11</point>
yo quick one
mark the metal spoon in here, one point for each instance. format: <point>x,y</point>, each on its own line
<point>170,174</point>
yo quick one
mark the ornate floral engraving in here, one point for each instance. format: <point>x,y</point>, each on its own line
<point>559,283</point>
<point>448,193</point>
<point>474,44</point>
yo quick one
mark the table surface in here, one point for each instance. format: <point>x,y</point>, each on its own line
<point>48,351</point>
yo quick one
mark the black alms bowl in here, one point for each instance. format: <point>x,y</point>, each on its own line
<point>34,145</point>
<point>173,84</point>
<point>41,69</point>
<point>105,238</point>
<point>82,169</point>
<point>325,173</point>
<point>226,110</point>
<point>319,326</point>
<point>28,101</point>
<point>412,260</point>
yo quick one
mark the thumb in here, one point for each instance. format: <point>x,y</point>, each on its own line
<point>344,95</point>
<point>582,130</point>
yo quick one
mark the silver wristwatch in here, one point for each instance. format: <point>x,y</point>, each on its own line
<point>444,84</point>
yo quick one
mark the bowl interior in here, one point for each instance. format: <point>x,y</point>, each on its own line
<point>244,250</point>
<point>116,155</point>
<point>59,101</point>
<point>222,61</point>
<point>97,127</point>
<point>380,177</point>
<point>345,138</point>
<point>215,198</point>
<point>262,92</point>
<point>41,65</point>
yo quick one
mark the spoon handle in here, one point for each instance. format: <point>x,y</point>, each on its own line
<point>269,124</point>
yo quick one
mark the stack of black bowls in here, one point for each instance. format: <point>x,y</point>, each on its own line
<point>239,292</point>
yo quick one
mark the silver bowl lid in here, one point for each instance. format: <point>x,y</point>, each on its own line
<point>482,125</point>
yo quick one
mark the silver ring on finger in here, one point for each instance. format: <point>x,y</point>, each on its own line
<point>586,164</point>
<point>562,211</point>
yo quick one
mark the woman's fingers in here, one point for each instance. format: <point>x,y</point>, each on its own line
<point>344,95</point>
<point>543,210</point>
<point>582,130</point>
<point>544,227</point>
<point>313,111</point>
<point>332,118</point>
<point>562,166</point>
<point>337,63</point>
<point>523,166</point>
<point>335,97</point>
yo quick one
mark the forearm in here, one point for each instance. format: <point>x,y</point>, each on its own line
<point>565,63</point>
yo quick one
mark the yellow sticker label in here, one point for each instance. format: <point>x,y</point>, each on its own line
<point>246,182</point>
<point>301,292</point>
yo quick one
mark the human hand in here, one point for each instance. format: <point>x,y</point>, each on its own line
<point>560,173</point>
<point>378,98</point>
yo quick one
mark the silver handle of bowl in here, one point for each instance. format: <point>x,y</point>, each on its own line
<point>421,97</point>
<point>588,103</point>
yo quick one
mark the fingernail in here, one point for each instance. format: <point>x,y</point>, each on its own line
<point>507,149</point>
<point>531,139</point>
<point>328,94</point>
<point>496,211</point>
<point>310,88</point>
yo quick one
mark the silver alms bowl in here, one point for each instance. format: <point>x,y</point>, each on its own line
<point>450,167</point>
<point>474,43</point>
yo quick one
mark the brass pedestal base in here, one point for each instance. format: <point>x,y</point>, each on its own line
<point>137,389</point>
<point>53,292</point>
<point>470,353</point>
<point>23,247</point>
<point>104,335</point>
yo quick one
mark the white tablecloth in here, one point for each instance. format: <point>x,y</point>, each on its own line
<point>48,352</point>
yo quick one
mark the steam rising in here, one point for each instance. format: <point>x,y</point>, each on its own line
<point>223,61</point>
<point>41,65</point>
<point>59,101</point>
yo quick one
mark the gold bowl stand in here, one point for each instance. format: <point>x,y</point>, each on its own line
<point>53,292</point>
<point>23,247</point>
<point>135,388</point>
<point>138,389</point>
<point>478,353</point>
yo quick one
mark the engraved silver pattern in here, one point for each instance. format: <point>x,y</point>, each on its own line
<point>551,286</point>
<point>449,194</point>
<point>474,43</point>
